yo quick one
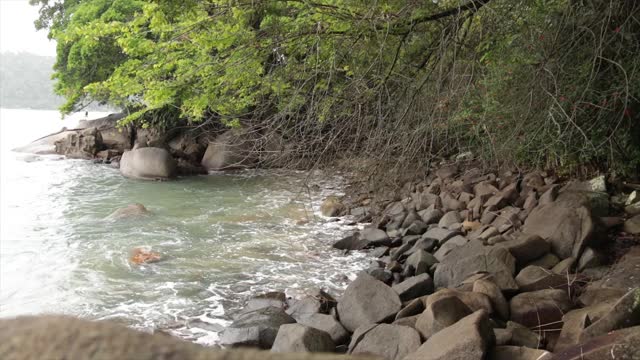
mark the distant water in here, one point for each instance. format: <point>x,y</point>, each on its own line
<point>224,237</point>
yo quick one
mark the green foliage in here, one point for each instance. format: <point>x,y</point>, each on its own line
<point>542,82</point>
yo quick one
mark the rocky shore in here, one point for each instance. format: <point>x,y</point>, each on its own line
<point>473,265</point>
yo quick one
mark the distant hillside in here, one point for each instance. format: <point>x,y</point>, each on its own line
<point>25,82</point>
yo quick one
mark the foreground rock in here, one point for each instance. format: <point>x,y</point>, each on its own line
<point>256,328</point>
<point>390,342</point>
<point>299,338</point>
<point>468,339</point>
<point>367,300</point>
<point>148,164</point>
<point>130,211</point>
<point>620,345</point>
<point>328,324</point>
<point>60,337</point>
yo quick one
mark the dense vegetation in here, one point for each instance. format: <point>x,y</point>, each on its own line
<point>549,83</point>
<point>25,82</point>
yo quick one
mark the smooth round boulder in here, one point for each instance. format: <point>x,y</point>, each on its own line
<point>295,338</point>
<point>148,163</point>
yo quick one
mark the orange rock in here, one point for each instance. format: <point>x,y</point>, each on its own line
<point>144,256</point>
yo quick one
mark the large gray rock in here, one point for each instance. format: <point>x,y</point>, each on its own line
<point>493,292</point>
<point>130,211</point>
<point>468,339</point>
<point>81,144</point>
<point>114,137</point>
<point>390,342</point>
<point>451,244</point>
<point>421,261</point>
<point>148,164</point>
<point>367,300</point>
<point>542,308</point>
<point>472,258</point>
<point>440,314</point>
<point>526,248</point>
<point>256,328</point>
<point>534,278</point>
<point>231,150</point>
<point>294,338</point>
<point>45,145</point>
<point>414,287</point>
<point>328,324</point>
<point>566,224</point>
<point>619,345</point>
<point>624,313</point>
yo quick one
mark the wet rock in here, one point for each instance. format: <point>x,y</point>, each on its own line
<point>472,258</point>
<point>144,256</point>
<point>389,342</point>
<point>148,164</point>
<point>414,287</point>
<point>304,307</point>
<point>375,237</point>
<point>441,314</point>
<point>540,308</point>
<point>256,328</point>
<point>332,206</point>
<point>351,242</point>
<point>367,300</point>
<point>534,278</point>
<point>130,211</point>
<point>518,353</point>
<point>275,299</point>
<point>469,339</point>
<point>328,324</point>
<point>294,338</point>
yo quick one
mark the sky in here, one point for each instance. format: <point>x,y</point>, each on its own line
<point>17,33</point>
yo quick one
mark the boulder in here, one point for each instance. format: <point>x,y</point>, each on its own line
<point>546,261</point>
<point>351,242</point>
<point>566,225</point>
<point>620,345</point>
<point>474,300</point>
<point>518,353</point>
<point>440,235</point>
<point>472,258</point>
<point>304,307</point>
<point>148,164</point>
<point>130,211</point>
<point>231,150</point>
<point>81,144</point>
<point>389,342</point>
<point>440,314</point>
<point>521,336</point>
<point>622,277</point>
<point>421,261</point>
<point>540,308</point>
<point>414,307</point>
<point>375,237</point>
<point>414,287</point>
<point>294,338</point>
<point>451,244</point>
<point>575,321</point>
<point>331,206</point>
<point>452,217</point>
<point>255,328</point>
<point>632,225</point>
<point>186,146</point>
<point>114,137</point>
<point>271,299</point>
<point>624,313</point>
<point>468,339</point>
<point>328,324</point>
<point>367,300</point>
<point>534,278</point>
<point>526,248</point>
<point>45,145</point>
<point>431,216</point>
<point>498,301</point>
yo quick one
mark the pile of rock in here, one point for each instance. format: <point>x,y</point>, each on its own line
<point>471,266</point>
